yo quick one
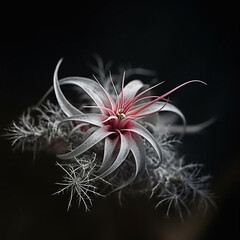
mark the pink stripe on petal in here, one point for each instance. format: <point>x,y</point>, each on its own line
<point>181,85</point>
<point>113,105</point>
<point>109,118</point>
<point>139,112</point>
<point>131,89</point>
<point>149,97</point>
<point>164,95</point>
<point>132,102</point>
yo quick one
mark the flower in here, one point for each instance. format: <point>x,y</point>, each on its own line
<point>115,139</point>
<point>120,122</point>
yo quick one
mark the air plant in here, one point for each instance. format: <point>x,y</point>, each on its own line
<point>127,130</point>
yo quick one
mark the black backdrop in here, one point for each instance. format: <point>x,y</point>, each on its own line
<point>181,40</point>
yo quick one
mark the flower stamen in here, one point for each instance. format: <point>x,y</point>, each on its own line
<point>120,114</point>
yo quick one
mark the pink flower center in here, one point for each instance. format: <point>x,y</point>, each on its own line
<point>118,122</point>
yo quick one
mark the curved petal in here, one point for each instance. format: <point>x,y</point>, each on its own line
<point>94,138</point>
<point>131,89</point>
<point>140,109</point>
<point>122,155</point>
<point>109,118</point>
<point>133,101</point>
<point>65,105</point>
<point>94,119</point>
<point>160,106</point>
<point>191,128</point>
<point>139,129</point>
<point>92,88</point>
<point>89,132</point>
<point>109,148</point>
<point>138,151</point>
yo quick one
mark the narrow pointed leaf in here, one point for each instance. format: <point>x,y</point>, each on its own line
<point>65,105</point>
<point>109,148</point>
<point>190,129</point>
<point>138,150</point>
<point>131,89</point>
<point>92,140</point>
<point>139,129</point>
<point>92,88</point>
<point>122,155</point>
<point>161,106</point>
<point>95,119</point>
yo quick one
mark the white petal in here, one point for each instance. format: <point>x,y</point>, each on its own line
<point>139,154</point>
<point>65,105</point>
<point>109,148</point>
<point>122,155</point>
<point>138,150</point>
<point>96,137</point>
<point>139,129</point>
<point>171,108</point>
<point>190,129</point>
<point>95,119</point>
<point>131,89</point>
<point>89,132</point>
<point>162,106</point>
<point>92,88</point>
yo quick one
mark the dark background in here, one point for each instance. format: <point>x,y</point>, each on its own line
<point>181,40</point>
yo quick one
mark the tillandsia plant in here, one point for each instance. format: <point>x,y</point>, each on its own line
<point>116,138</point>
